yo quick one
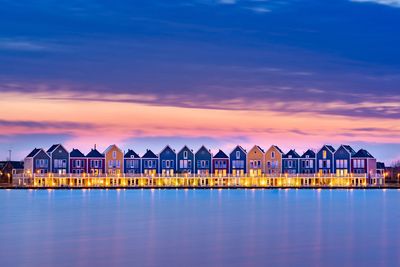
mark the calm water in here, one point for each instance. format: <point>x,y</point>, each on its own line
<point>199,228</point>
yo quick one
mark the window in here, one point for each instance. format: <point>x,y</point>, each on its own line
<point>273,154</point>
<point>290,164</point>
<point>114,154</point>
<point>185,154</point>
<point>237,154</point>
<point>324,154</point>
<point>269,164</point>
<point>60,163</point>
<point>167,164</point>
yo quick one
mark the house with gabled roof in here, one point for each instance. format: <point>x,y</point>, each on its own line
<point>363,162</point>
<point>238,161</point>
<point>325,164</point>
<point>37,162</point>
<point>114,158</point>
<point>308,162</point>
<point>220,163</point>
<point>203,161</point>
<point>132,162</point>
<point>150,163</point>
<point>273,160</point>
<point>10,168</point>
<point>290,162</point>
<point>256,161</point>
<point>77,162</point>
<point>59,156</point>
<point>185,161</point>
<point>168,161</point>
<point>96,162</point>
<point>342,158</point>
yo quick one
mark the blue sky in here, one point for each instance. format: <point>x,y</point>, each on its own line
<point>334,58</point>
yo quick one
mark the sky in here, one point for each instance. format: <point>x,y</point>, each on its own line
<point>144,74</point>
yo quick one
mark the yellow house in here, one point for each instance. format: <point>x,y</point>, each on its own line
<point>114,160</point>
<point>273,161</point>
<point>256,161</point>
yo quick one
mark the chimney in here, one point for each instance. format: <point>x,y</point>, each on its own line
<point>94,146</point>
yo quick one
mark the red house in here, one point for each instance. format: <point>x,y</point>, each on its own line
<point>363,163</point>
<point>220,163</point>
<point>95,162</point>
<point>77,162</point>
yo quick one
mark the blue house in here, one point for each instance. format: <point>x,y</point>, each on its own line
<point>150,163</point>
<point>185,161</point>
<point>308,162</point>
<point>132,162</point>
<point>203,161</point>
<point>168,161</point>
<point>37,162</point>
<point>325,158</point>
<point>59,156</point>
<point>220,163</point>
<point>290,162</point>
<point>238,160</point>
<point>342,158</point>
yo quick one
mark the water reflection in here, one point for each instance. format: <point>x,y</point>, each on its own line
<point>199,227</point>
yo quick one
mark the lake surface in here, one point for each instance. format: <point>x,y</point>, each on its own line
<point>200,228</point>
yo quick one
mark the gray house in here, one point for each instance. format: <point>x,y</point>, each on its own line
<point>185,161</point>
<point>37,162</point>
<point>59,156</point>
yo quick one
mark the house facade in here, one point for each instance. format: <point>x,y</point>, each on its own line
<point>220,164</point>
<point>363,162</point>
<point>114,158</point>
<point>10,168</point>
<point>203,161</point>
<point>96,162</point>
<point>290,162</point>
<point>238,161</point>
<point>308,163</point>
<point>150,163</point>
<point>132,162</point>
<point>59,159</point>
<point>256,161</point>
<point>273,160</point>
<point>325,164</point>
<point>342,160</point>
<point>185,161</point>
<point>77,162</point>
<point>37,162</point>
<point>168,161</point>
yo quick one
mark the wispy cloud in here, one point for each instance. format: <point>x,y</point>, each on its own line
<point>392,3</point>
<point>22,45</point>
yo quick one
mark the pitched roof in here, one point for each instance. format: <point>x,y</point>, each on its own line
<point>258,147</point>
<point>292,153</point>
<point>33,152</point>
<point>362,153</point>
<point>168,147</point>
<point>309,153</point>
<point>350,149</point>
<point>241,148</point>
<point>330,148</point>
<point>220,155</point>
<point>185,147</point>
<point>76,153</point>
<point>94,153</point>
<point>131,154</point>
<point>111,146</point>
<point>380,165</point>
<point>149,155</point>
<point>17,164</point>
<point>262,150</point>
<point>2,164</point>
<point>277,148</point>
<point>52,148</point>
<point>203,147</point>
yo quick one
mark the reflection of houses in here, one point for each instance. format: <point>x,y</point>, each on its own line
<point>342,158</point>
<point>132,162</point>
<point>77,161</point>
<point>59,159</point>
<point>114,160</point>
<point>325,160</point>
<point>290,162</point>
<point>308,162</point>
<point>150,163</point>
<point>273,160</point>
<point>10,168</point>
<point>255,161</point>
<point>37,162</point>
<point>185,161</point>
<point>220,163</point>
<point>363,162</point>
<point>96,162</point>
<point>238,161</point>
<point>203,161</point>
<point>168,161</point>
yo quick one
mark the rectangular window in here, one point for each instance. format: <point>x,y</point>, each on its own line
<point>114,154</point>
<point>272,154</point>
<point>185,154</point>
<point>237,154</point>
<point>324,154</point>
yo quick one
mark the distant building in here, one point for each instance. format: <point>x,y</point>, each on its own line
<point>325,164</point>
<point>256,161</point>
<point>150,163</point>
<point>77,162</point>
<point>59,159</point>
<point>10,168</point>
<point>203,161</point>
<point>380,168</point>
<point>308,163</point>
<point>185,161</point>
<point>273,160</point>
<point>238,161</point>
<point>168,161</point>
<point>37,162</point>
<point>220,163</point>
<point>290,162</point>
<point>132,162</point>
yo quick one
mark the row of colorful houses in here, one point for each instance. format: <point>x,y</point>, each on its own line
<point>342,161</point>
